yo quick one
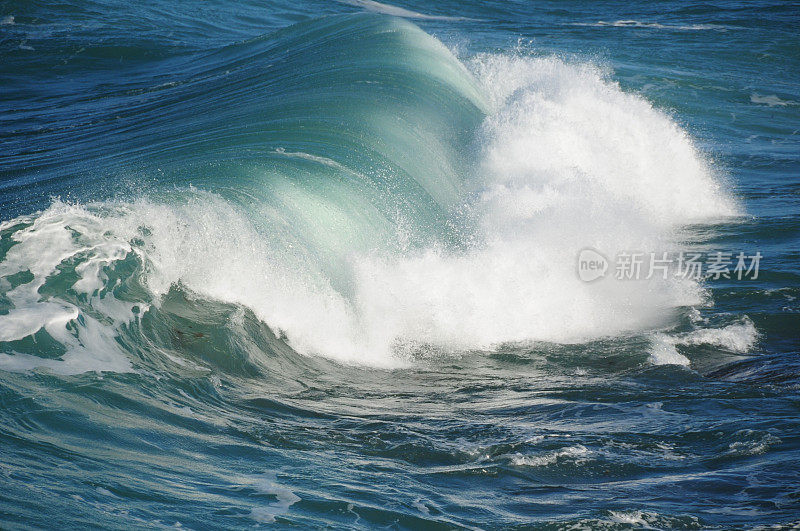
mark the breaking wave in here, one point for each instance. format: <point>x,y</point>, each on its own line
<point>371,198</point>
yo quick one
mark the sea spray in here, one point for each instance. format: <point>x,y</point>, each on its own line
<point>565,159</point>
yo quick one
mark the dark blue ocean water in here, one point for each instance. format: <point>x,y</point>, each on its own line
<point>315,264</point>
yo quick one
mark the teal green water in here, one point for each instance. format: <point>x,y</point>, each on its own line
<point>314,265</point>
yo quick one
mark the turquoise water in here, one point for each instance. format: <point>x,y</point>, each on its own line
<point>316,264</point>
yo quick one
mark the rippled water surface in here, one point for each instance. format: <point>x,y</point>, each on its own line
<point>314,264</point>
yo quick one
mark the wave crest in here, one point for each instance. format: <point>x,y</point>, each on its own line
<point>358,264</point>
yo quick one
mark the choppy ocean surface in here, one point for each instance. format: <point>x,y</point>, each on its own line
<point>315,264</point>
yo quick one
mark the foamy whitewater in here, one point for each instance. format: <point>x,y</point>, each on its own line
<point>317,265</point>
<point>566,160</point>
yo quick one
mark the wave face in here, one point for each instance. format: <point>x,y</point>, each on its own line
<point>368,197</point>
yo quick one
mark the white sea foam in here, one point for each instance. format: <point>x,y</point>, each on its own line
<point>652,25</point>
<point>575,453</point>
<point>771,100</point>
<point>738,337</point>
<point>284,499</point>
<point>633,518</point>
<point>749,442</point>
<point>395,11</point>
<point>314,158</point>
<point>40,249</point>
<point>663,352</point>
<point>568,160</point>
